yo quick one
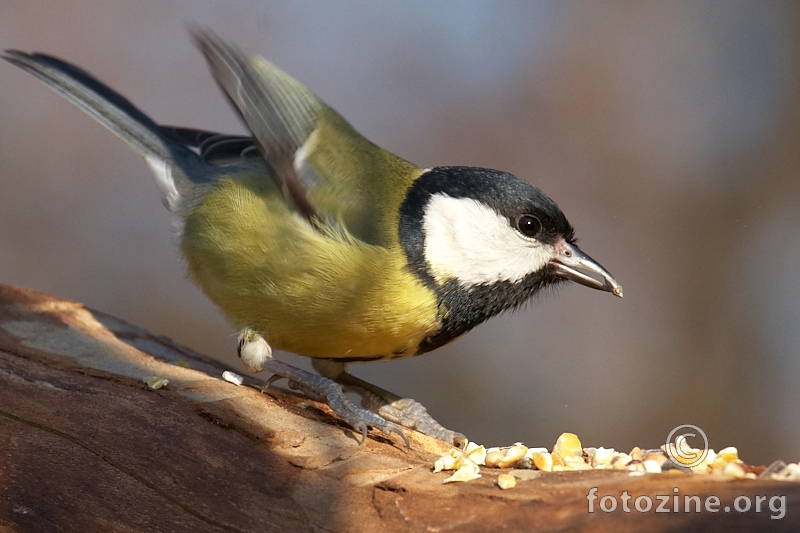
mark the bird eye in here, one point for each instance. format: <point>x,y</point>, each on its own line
<point>529,225</point>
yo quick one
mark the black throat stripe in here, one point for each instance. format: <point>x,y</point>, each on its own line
<point>462,306</point>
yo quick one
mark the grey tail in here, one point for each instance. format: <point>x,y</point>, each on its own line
<point>177,169</point>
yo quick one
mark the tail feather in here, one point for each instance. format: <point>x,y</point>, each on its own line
<point>176,168</point>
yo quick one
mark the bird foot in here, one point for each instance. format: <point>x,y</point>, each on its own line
<point>404,412</point>
<point>257,356</point>
<point>331,393</point>
<point>409,413</point>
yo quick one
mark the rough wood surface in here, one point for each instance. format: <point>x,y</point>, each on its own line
<point>85,445</point>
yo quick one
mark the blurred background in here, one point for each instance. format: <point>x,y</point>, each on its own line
<point>669,133</point>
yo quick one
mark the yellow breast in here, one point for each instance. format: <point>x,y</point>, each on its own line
<point>314,294</point>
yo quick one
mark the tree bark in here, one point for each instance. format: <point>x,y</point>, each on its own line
<point>87,445</point>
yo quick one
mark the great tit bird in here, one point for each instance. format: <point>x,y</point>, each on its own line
<point>315,241</point>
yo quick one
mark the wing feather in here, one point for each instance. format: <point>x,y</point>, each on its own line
<point>328,171</point>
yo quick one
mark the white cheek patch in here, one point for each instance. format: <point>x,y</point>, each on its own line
<point>470,241</point>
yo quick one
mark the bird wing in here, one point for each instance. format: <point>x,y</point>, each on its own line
<point>329,172</point>
<point>218,149</point>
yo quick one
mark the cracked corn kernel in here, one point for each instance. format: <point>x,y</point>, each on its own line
<point>445,462</point>
<point>621,461</point>
<point>531,451</point>
<point>448,460</point>
<point>575,463</point>
<point>728,454</point>
<point>513,455</point>
<point>156,382</point>
<point>506,481</point>
<point>734,470</point>
<point>683,454</point>
<point>636,454</point>
<point>600,456</point>
<point>658,457</point>
<point>475,453</point>
<point>790,472</point>
<point>506,457</point>
<point>568,445</point>
<point>635,466</point>
<point>493,458</point>
<point>543,461</point>
<point>651,466</point>
<point>466,471</point>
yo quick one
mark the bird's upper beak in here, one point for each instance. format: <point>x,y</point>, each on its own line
<point>569,258</point>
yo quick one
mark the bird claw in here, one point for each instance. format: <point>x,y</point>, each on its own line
<point>411,414</point>
<point>272,379</point>
<point>358,417</point>
<point>392,428</point>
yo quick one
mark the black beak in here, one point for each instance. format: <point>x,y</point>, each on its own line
<point>570,259</point>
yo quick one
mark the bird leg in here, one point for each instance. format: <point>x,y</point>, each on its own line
<point>256,354</point>
<point>405,412</point>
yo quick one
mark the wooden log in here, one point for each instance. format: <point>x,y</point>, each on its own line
<point>87,445</point>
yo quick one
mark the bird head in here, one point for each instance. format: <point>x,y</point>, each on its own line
<point>486,241</point>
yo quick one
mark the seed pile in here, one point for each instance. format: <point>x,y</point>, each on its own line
<point>568,454</point>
